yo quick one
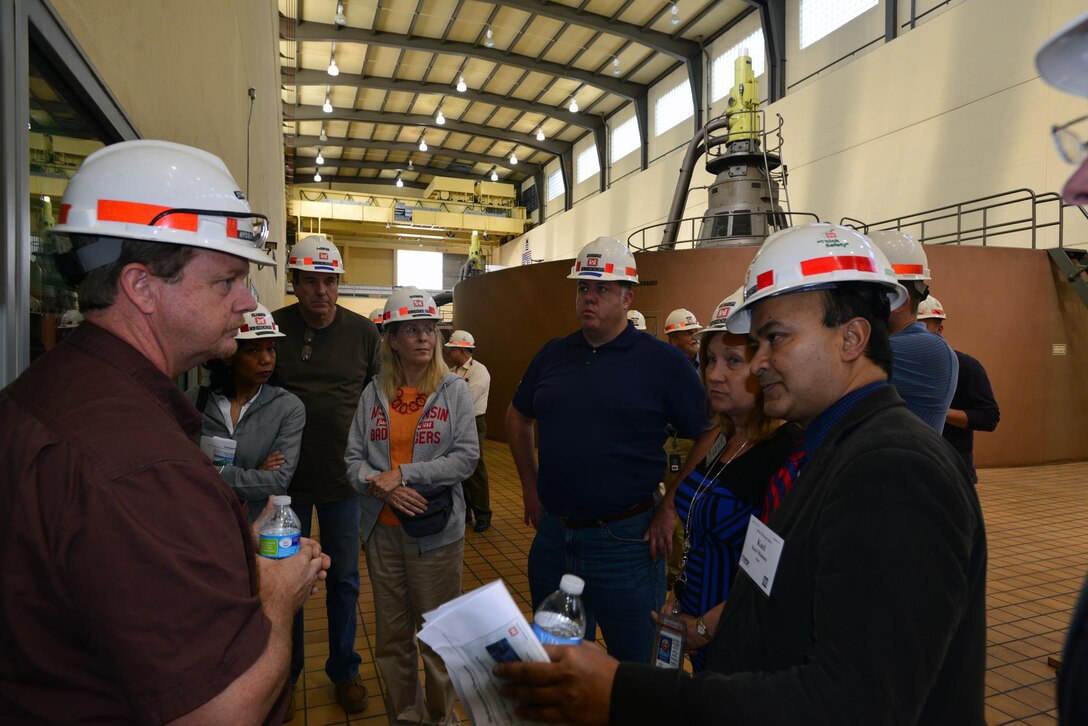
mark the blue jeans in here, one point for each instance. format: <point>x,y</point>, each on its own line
<point>622,583</point>
<point>339,523</point>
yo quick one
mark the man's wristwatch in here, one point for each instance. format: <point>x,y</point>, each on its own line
<point>700,627</point>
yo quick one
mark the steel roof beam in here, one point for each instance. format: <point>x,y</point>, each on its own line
<point>309,162</point>
<point>432,149</point>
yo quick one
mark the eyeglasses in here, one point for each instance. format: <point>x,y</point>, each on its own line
<point>414,331</point>
<point>307,338</point>
<point>255,236</point>
<point>1071,147</point>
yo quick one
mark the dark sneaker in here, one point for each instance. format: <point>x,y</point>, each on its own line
<point>352,694</point>
<point>482,525</point>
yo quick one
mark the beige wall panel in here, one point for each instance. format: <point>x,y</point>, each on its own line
<point>181,71</point>
<point>366,266</point>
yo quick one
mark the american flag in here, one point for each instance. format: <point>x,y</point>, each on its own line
<point>527,255</point>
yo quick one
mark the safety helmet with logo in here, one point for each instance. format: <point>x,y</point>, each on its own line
<point>376,315</point>
<point>681,319</point>
<point>409,303</point>
<point>461,339</point>
<point>607,259</point>
<point>725,308</point>
<point>907,257</point>
<point>258,324</point>
<point>1063,59</point>
<point>315,253</point>
<point>154,191</point>
<point>70,319</point>
<point>813,256</point>
<point>931,308</point>
<point>637,318</point>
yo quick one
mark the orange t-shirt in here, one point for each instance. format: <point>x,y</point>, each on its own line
<point>402,433</point>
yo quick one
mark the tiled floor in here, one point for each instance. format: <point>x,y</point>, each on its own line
<point>1037,524</point>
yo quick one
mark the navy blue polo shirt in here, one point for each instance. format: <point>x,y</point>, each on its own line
<point>601,414</point>
<point>924,373</point>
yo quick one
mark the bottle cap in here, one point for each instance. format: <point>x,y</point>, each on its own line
<point>281,500</point>
<point>572,584</point>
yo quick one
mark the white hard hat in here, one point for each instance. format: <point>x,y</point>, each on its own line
<point>605,258</point>
<point>409,303</point>
<point>461,339</point>
<point>258,324</point>
<point>725,308</point>
<point>637,318</point>
<point>931,308</point>
<point>907,258</point>
<point>376,315</point>
<point>70,319</point>
<point>813,256</point>
<point>155,191</point>
<point>314,253</point>
<point>681,319</point>
<point>1063,59</point>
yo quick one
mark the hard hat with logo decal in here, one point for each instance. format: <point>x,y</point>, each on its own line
<point>154,191</point>
<point>70,319</point>
<point>725,308</point>
<point>681,319</point>
<point>461,339</point>
<point>409,303</point>
<point>1063,59</point>
<point>637,318</point>
<point>907,258</point>
<point>931,308</point>
<point>607,259</point>
<point>376,315</point>
<point>314,253</point>
<point>813,256</point>
<point>258,324</point>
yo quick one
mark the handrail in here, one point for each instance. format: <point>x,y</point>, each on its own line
<point>693,238</point>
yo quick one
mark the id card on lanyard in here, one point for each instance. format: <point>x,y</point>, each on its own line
<point>760,554</point>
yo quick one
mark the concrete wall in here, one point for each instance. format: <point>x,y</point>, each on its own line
<point>181,71</point>
<point>1006,307</point>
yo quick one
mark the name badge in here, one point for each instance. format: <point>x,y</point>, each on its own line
<point>760,554</point>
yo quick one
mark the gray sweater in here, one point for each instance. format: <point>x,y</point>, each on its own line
<point>273,422</point>
<point>445,452</point>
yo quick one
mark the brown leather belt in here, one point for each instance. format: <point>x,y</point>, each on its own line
<point>643,506</point>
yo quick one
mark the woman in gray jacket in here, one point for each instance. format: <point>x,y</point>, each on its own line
<point>264,421</point>
<point>411,444</point>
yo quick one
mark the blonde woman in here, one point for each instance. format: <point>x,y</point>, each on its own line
<point>411,444</point>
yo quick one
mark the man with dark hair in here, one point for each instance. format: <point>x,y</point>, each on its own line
<point>130,590</point>
<point>925,367</point>
<point>327,359</point>
<point>862,596</point>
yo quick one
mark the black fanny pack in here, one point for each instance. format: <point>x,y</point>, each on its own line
<point>431,521</point>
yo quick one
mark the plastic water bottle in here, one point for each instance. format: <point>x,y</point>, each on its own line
<point>561,618</point>
<point>280,533</point>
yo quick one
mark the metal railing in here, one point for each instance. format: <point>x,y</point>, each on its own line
<point>775,221</point>
<point>1017,212</point>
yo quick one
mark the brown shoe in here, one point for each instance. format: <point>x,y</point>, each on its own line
<point>352,694</point>
<point>289,715</point>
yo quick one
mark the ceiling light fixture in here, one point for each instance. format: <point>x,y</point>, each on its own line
<point>320,159</point>
<point>573,107</point>
<point>615,66</point>
<point>489,40</point>
<point>513,158</point>
<point>333,69</point>
<point>422,144</point>
<point>339,19</point>
<point>439,118</point>
<point>400,183</point>
<point>327,107</point>
<point>494,174</point>
<point>323,136</point>
<point>461,85</point>
<point>540,133</point>
<point>317,177</point>
<point>410,166</point>
<point>675,19</point>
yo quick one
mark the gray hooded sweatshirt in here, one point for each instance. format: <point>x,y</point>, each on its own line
<point>444,452</point>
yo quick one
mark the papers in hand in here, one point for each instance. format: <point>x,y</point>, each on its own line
<point>474,632</point>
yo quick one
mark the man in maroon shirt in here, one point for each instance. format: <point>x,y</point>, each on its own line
<point>129,586</point>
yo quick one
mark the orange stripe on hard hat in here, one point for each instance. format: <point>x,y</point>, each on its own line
<point>110,210</point>
<point>821,265</point>
<point>764,279</point>
<point>631,272</point>
<point>907,269</point>
<point>608,267</point>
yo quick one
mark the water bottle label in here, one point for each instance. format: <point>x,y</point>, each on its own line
<point>548,639</point>
<point>279,546</point>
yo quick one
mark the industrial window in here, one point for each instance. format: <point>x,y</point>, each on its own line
<point>586,165</point>
<point>673,107</point>
<point>721,72</point>
<point>555,184</point>
<point>419,268</point>
<point>625,139</point>
<point>820,17</point>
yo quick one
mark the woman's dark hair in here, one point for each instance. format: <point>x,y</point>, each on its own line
<point>222,377</point>
<point>849,300</point>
